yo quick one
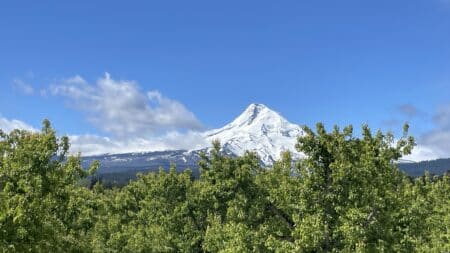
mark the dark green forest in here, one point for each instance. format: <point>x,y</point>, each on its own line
<point>437,167</point>
<point>348,195</point>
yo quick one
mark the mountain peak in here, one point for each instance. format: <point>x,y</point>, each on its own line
<point>258,129</point>
<point>253,110</point>
<point>256,106</point>
<point>255,113</point>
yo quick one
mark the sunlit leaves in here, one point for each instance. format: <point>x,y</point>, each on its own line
<point>347,195</point>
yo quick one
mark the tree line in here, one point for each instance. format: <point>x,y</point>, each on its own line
<point>347,195</point>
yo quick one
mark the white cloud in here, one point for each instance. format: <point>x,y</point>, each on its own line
<point>120,108</point>
<point>134,120</point>
<point>23,86</point>
<point>87,144</point>
<point>138,121</point>
<point>94,144</point>
<point>435,143</point>
<point>7,125</point>
<point>422,153</point>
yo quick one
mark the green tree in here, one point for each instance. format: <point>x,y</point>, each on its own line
<point>350,191</point>
<point>346,195</point>
<point>428,215</point>
<point>39,197</point>
<point>152,214</point>
<point>241,216</point>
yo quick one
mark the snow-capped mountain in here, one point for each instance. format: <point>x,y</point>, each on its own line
<point>258,129</point>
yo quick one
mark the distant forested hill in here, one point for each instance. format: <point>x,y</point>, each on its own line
<point>437,167</point>
<point>119,169</point>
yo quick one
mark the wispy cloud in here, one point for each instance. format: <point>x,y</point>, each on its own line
<point>22,86</point>
<point>134,119</point>
<point>431,144</point>
<point>120,107</point>
<point>7,125</point>
<point>439,137</point>
<point>422,153</point>
<point>434,143</point>
<point>94,144</point>
<point>88,144</point>
<point>409,110</point>
<point>442,117</point>
<point>404,113</point>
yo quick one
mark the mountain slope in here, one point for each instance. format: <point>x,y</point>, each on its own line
<point>258,129</point>
<point>436,167</point>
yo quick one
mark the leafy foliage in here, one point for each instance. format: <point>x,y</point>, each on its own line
<point>42,208</point>
<point>347,195</point>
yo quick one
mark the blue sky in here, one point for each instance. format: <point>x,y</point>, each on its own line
<point>339,62</point>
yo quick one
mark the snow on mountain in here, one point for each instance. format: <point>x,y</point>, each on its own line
<point>261,130</point>
<point>257,129</point>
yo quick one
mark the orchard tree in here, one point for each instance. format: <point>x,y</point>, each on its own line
<point>152,214</point>
<point>350,191</point>
<point>346,195</point>
<point>429,213</point>
<point>235,201</point>
<point>41,204</point>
